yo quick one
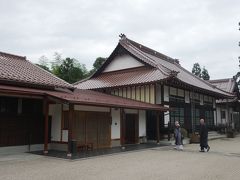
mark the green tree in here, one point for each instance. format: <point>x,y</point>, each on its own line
<point>71,70</point>
<point>97,64</point>
<point>196,69</point>
<point>205,74</point>
<point>55,64</point>
<point>43,63</point>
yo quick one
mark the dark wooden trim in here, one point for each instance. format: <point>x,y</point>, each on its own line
<point>155,93</point>
<point>110,127</point>
<point>157,126</point>
<point>137,128</point>
<point>46,112</point>
<point>59,142</point>
<point>20,94</point>
<point>162,94</point>
<point>70,126</point>
<point>116,139</point>
<point>122,136</point>
<point>61,122</point>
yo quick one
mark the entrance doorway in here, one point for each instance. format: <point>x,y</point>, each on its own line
<point>131,129</point>
<point>92,127</point>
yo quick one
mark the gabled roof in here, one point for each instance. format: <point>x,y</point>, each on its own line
<point>19,71</point>
<point>159,67</point>
<point>83,97</point>
<point>227,84</point>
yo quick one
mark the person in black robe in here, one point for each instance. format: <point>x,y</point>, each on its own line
<point>203,136</point>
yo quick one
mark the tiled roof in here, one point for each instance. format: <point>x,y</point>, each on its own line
<point>17,70</point>
<point>227,85</point>
<point>123,78</point>
<point>85,97</point>
<point>160,68</point>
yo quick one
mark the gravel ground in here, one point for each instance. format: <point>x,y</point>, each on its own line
<point>221,163</point>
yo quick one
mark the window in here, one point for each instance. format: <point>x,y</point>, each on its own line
<point>208,100</point>
<point>196,118</point>
<point>177,114</point>
<point>209,118</point>
<point>223,115</point>
<point>173,91</point>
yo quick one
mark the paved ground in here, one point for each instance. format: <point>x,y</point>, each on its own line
<point>221,163</point>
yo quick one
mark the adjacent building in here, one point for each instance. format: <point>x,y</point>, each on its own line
<point>40,111</point>
<point>228,109</point>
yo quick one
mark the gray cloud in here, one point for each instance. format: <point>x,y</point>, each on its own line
<point>193,31</point>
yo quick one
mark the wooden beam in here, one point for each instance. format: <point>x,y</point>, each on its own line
<point>46,112</point>
<point>70,127</point>
<point>157,126</point>
<point>122,127</point>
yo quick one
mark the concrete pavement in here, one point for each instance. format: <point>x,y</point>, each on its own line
<point>221,163</point>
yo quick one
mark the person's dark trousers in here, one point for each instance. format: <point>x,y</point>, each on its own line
<point>206,146</point>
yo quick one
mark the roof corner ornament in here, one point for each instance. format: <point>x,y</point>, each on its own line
<point>122,36</point>
<point>174,73</point>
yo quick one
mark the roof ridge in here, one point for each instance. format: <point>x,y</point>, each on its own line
<point>152,51</point>
<point>13,55</point>
<point>137,52</point>
<point>220,80</point>
<point>169,59</point>
<point>161,67</point>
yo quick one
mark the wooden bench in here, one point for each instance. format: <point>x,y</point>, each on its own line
<point>85,147</point>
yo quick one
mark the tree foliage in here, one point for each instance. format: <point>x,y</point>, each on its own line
<point>198,71</point>
<point>71,70</point>
<point>205,74</point>
<point>97,64</point>
<point>43,63</point>
<point>68,69</point>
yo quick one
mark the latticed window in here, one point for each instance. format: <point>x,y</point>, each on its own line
<point>209,118</point>
<point>177,114</point>
<point>196,118</point>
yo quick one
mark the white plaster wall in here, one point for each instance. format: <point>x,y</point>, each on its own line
<point>158,94</point>
<point>218,115</point>
<point>201,99</point>
<point>123,62</point>
<point>65,135</point>
<point>115,128</point>
<point>166,93</point>
<point>166,115</point>
<point>187,97</point>
<point>214,103</point>
<point>91,108</point>
<point>55,110</point>
<point>142,123</point>
<point>214,117</point>
<point>219,118</point>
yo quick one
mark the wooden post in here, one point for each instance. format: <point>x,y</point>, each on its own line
<point>157,130</point>
<point>122,125</point>
<point>70,125</point>
<point>46,111</point>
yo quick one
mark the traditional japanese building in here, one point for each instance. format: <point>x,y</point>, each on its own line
<point>40,111</point>
<point>134,71</point>
<point>228,109</point>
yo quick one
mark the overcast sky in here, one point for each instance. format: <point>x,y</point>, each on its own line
<point>204,31</point>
